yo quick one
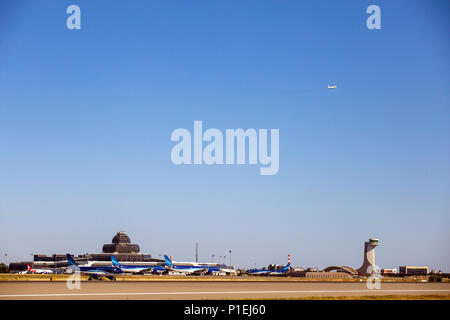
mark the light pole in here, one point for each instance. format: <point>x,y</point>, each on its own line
<point>212,257</point>
<point>230,256</point>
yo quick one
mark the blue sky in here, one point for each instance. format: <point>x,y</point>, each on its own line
<point>86,117</point>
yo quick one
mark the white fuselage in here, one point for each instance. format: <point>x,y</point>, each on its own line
<point>40,271</point>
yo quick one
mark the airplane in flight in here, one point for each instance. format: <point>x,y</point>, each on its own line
<point>38,271</point>
<point>197,270</point>
<point>270,272</point>
<point>97,273</point>
<point>332,87</point>
<point>137,269</point>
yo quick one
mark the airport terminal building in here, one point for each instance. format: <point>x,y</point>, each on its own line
<point>120,246</point>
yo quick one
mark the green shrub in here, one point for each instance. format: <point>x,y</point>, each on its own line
<point>4,268</point>
<point>435,278</point>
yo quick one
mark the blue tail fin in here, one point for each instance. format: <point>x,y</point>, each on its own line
<point>70,260</point>
<point>115,263</point>
<point>286,268</point>
<point>168,261</point>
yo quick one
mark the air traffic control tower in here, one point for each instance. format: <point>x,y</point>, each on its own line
<point>369,256</point>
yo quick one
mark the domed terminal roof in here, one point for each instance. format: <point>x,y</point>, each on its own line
<point>121,243</point>
<point>120,238</point>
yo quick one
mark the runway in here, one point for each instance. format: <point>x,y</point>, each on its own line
<point>191,290</point>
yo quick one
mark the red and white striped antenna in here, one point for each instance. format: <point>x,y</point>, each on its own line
<point>289,258</point>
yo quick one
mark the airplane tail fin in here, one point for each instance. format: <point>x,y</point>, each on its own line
<point>70,260</point>
<point>288,266</point>
<point>115,262</point>
<point>28,267</point>
<point>169,262</point>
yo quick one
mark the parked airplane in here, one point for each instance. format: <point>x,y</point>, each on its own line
<point>39,271</point>
<point>269,272</point>
<point>137,269</point>
<point>258,272</point>
<point>281,272</point>
<point>198,270</point>
<point>95,272</point>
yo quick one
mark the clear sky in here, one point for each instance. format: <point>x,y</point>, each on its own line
<point>86,117</point>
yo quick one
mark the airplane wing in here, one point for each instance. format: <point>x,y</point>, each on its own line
<point>200,271</point>
<point>259,272</point>
<point>189,270</point>
<point>97,272</point>
<point>159,270</point>
<point>149,269</point>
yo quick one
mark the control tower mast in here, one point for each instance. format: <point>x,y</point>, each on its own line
<point>369,256</point>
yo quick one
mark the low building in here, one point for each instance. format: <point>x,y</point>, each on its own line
<point>388,271</point>
<point>410,270</point>
<point>298,270</point>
